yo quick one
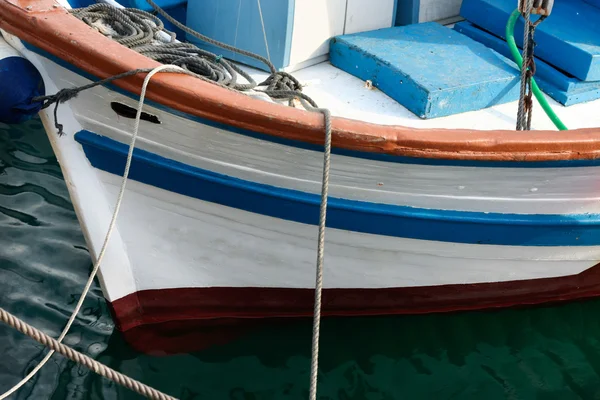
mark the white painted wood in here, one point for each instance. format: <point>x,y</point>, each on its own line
<point>307,63</point>
<point>64,3</point>
<point>166,240</point>
<point>86,191</point>
<point>346,96</point>
<point>434,10</point>
<point>7,50</point>
<point>505,190</point>
<point>368,15</point>
<point>315,22</point>
<point>177,241</point>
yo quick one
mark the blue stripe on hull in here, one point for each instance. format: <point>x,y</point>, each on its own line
<point>359,216</point>
<point>310,146</point>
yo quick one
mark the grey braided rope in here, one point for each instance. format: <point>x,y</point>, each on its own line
<point>138,30</point>
<point>134,27</point>
<point>314,365</point>
<point>521,113</point>
<point>277,81</point>
<point>82,359</point>
<point>206,39</point>
<point>67,94</point>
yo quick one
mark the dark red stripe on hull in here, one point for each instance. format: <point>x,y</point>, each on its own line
<point>177,320</point>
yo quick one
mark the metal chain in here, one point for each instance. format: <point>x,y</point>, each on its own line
<point>525,110</point>
<point>521,112</point>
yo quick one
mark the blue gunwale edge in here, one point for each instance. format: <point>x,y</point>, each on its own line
<point>359,216</point>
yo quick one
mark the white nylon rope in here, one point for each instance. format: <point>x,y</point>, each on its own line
<point>314,366</point>
<point>47,340</point>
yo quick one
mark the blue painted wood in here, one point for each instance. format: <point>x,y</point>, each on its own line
<point>179,12</point>
<point>20,83</point>
<point>407,12</point>
<point>593,2</point>
<point>176,8</point>
<point>81,3</point>
<point>571,163</point>
<point>562,87</point>
<point>238,24</point>
<point>143,4</point>
<point>569,39</point>
<point>432,70</point>
<point>358,216</point>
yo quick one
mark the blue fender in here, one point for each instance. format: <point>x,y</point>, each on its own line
<point>20,82</point>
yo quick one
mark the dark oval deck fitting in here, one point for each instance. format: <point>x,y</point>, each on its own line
<point>126,111</point>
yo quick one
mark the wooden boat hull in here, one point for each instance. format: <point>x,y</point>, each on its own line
<point>220,225</point>
<point>219,219</point>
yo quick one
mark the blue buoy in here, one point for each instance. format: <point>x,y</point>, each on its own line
<point>20,82</point>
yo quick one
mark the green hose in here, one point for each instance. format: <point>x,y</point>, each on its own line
<point>512,45</point>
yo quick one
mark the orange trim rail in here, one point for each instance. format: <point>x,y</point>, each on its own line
<point>45,24</point>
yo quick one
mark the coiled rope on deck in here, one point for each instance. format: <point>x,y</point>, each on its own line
<point>139,31</point>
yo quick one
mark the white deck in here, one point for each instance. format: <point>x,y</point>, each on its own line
<point>347,96</point>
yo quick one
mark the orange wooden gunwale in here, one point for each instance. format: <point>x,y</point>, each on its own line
<point>46,25</point>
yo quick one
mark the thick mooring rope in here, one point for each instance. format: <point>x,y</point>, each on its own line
<point>55,345</point>
<point>80,358</point>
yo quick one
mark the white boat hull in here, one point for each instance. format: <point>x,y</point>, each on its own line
<point>404,236</point>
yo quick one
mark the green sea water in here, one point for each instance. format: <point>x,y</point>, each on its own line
<point>550,352</point>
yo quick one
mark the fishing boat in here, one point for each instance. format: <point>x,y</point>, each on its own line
<point>436,202</point>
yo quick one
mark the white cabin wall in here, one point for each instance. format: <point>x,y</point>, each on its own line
<point>368,15</point>
<point>434,10</point>
<point>315,22</point>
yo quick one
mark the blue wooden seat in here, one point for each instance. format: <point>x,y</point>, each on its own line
<point>569,39</point>
<point>430,69</point>
<point>143,4</point>
<point>559,85</point>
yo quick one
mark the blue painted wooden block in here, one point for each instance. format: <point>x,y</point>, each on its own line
<point>293,34</point>
<point>563,88</point>
<point>432,70</point>
<point>593,2</point>
<point>569,39</point>
<point>238,23</point>
<point>143,4</point>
